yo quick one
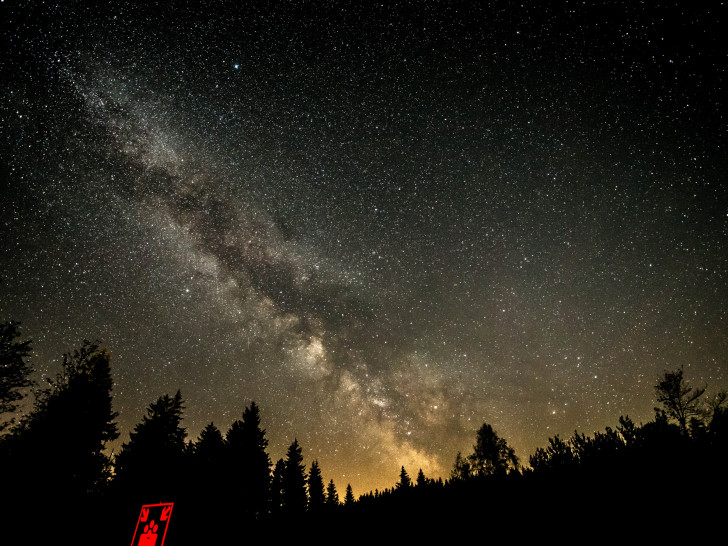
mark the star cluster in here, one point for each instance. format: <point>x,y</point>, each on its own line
<point>386,224</point>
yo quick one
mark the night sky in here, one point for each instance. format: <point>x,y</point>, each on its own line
<point>385,223</point>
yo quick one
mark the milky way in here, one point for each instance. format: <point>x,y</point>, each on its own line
<point>386,225</point>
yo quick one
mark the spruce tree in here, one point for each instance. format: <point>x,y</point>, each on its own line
<point>421,480</point>
<point>276,488</point>
<point>206,479</point>
<point>349,496</point>
<point>208,454</point>
<point>248,463</point>
<point>209,447</point>
<point>316,495</point>
<point>332,497</point>
<point>151,462</point>
<point>294,482</point>
<point>404,480</point>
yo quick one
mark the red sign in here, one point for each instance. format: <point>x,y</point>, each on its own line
<point>152,525</point>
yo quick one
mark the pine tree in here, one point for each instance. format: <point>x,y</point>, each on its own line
<point>332,497</point>
<point>404,480</point>
<point>349,496</point>
<point>206,479</point>
<point>249,463</point>
<point>294,482</point>
<point>421,480</point>
<point>151,461</point>
<point>209,447</point>
<point>276,488</point>
<point>679,399</point>
<point>316,495</point>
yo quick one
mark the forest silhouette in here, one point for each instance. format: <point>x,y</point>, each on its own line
<point>662,478</point>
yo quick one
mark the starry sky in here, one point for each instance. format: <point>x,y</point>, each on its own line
<point>386,223</point>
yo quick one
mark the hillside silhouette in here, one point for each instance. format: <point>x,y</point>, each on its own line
<point>656,479</point>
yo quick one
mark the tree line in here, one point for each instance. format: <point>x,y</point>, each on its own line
<point>59,452</point>
<point>225,484</point>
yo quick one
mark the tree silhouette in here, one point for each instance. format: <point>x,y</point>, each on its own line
<point>349,496</point>
<point>557,456</point>
<point>599,450</point>
<point>206,478</point>
<point>276,488</point>
<point>151,461</point>
<point>294,482</point>
<point>678,398</point>
<point>81,398</point>
<point>492,455</point>
<point>628,430</point>
<point>67,431</point>
<point>14,371</point>
<point>208,455</point>
<point>316,496</point>
<point>421,480</point>
<point>209,447</point>
<point>404,480</point>
<point>249,463</point>
<point>461,468</point>
<point>332,497</point>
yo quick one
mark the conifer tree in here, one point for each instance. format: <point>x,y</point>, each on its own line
<point>151,461</point>
<point>332,497</point>
<point>209,447</point>
<point>208,458</point>
<point>349,496</point>
<point>404,480</point>
<point>421,480</point>
<point>206,478</point>
<point>276,488</point>
<point>249,462</point>
<point>294,482</point>
<point>316,495</point>
<point>679,399</point>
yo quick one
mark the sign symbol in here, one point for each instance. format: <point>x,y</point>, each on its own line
<point>149,536</point>
<point>154,532</point>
